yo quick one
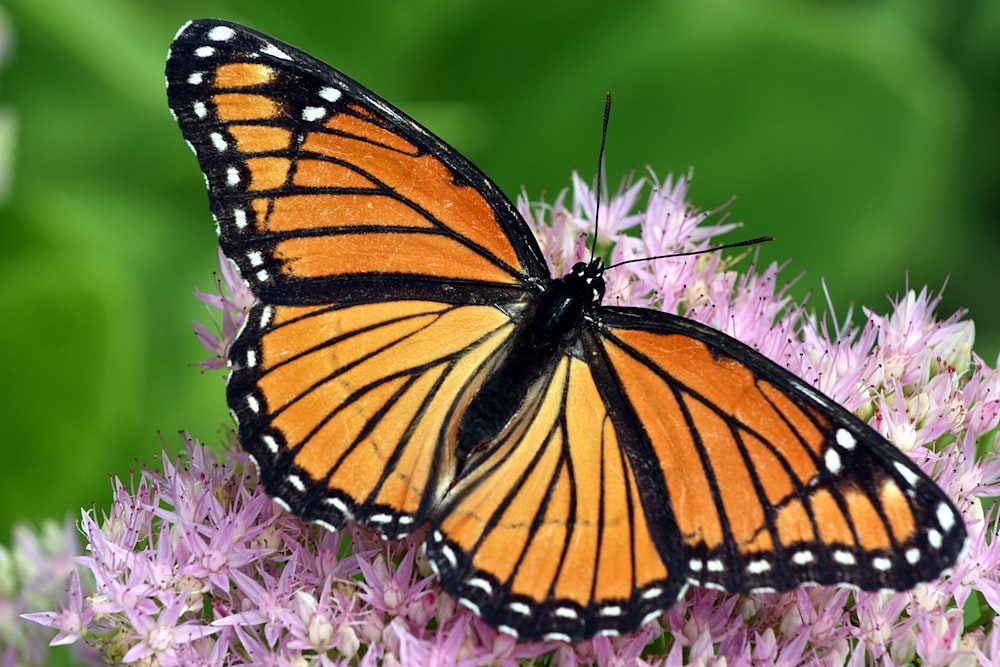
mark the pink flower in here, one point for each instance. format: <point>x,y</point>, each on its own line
<point>74,618</point>
<point>195,565</point>
<point>234,299</point>
<point>160,634</point>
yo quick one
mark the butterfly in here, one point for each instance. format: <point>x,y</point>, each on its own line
<point>411,361</point>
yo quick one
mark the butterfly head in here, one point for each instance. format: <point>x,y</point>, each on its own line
<point>588,279</point>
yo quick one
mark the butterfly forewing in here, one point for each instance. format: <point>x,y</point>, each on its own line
<point>633,452</point>
<point>307,170</point>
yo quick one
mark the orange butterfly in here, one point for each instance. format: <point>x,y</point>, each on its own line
<point>412,360</point>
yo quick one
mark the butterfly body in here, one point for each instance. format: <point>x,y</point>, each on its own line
<point>412,362</point>
<point>551,329</point>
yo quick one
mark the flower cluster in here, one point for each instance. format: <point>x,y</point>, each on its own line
<point>34,574</point>
<point>194,565</point>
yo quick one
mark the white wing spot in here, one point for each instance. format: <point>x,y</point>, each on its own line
<point>883,564</point>
<point>481,584</point>
<point>282,504</point>
<point>380,518</point>
<point>313,113</point>
<point>405,520</point>
<point>204,51</point>
<point>695,564</point>
<point>832,461</point>
<point>910,476</point>
<point>650,616</point>
<point>196,78</point>
<point>449,555</point>
<point>438,536</point>
<point>266,316</point>
<point>251,358</point>
<point>608,632</point>
<point>221,33</point>
<point>556,637</point>
<point>520,608</point>
<point>326,525</point>
<point>507,630</point>
<point>934,538</point>
<point>219,142</point>
<point>566,612</point>
<point>803,557</point>
<point>338,505</point>
<point>844,557</point>
<point>262,276</point>
<point>758,566</point>
<point>330,94</point>
<point>715,565</point>
<point>945,517</point>
<point>271,443</point>
<point>199,109</point>
<point>913,556</point>
<point>272,50</point>
<point>240,218</point>
<point>252,403</point>
<point>232,176</point>
<point>469,604</point>
<point>652,593</point>
<point>297,482</point>
<point>255,258</point>
<point>611,610</point>
<point>845,439</point>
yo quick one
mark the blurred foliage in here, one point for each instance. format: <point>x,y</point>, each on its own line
<point>863,135</point>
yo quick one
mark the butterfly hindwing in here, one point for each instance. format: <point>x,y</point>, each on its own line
<point>349,410</point>
<point>547,534</point>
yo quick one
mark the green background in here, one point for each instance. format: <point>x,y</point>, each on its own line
<point>864,135</point>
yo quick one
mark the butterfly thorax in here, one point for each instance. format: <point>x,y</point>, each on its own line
<point>551,327</point>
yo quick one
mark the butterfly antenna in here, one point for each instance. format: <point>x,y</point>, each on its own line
<point>724,246</point>
<point>597,209</point>
<point>600,172</point>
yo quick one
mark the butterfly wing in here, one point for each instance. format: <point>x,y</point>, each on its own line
<point>323,191</point>
<point>369,243</point>
<point>772,484</point>
<point>550,534</point>
<point>663,452</point>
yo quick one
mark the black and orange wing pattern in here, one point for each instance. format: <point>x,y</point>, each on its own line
<point>344,382</point>
<point>411,360</point>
